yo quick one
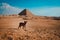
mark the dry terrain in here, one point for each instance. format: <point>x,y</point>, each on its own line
<point>37,28</point>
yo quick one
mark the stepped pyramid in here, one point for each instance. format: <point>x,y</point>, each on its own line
<point>25,12</point>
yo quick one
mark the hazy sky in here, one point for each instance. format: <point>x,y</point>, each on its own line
<point>38,7</point>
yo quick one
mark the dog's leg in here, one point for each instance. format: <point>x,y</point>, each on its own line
<point>18,27</point>
<point>24,27</point>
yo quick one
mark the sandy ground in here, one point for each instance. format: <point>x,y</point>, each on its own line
<point>37,28</point>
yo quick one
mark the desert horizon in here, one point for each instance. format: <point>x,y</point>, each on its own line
<point>13,27</point>
<point>29,19</point>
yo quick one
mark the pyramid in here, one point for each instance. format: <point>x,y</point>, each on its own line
<point>25,12</point>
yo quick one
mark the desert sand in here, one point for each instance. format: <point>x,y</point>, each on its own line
<point>37,27</point>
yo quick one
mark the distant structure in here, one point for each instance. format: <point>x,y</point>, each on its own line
<point>25,12</point>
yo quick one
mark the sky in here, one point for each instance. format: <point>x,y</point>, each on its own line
<point>37,7</point>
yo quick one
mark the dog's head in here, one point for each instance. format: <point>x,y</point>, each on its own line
<point>25,21</point>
